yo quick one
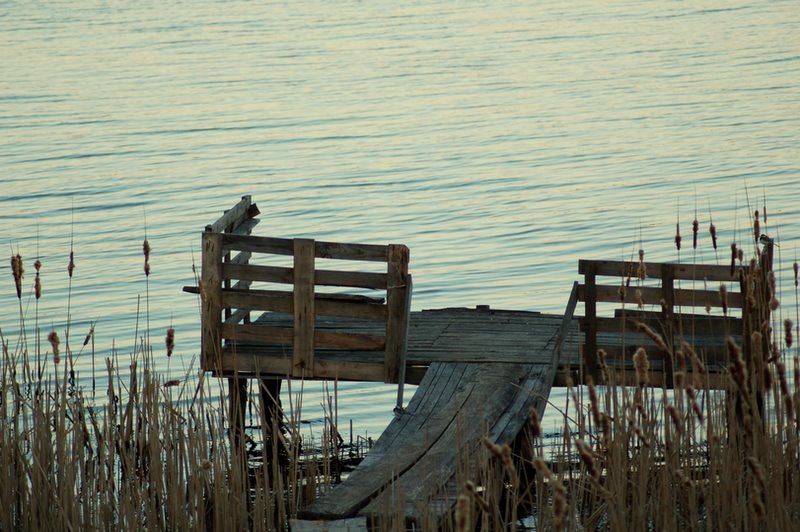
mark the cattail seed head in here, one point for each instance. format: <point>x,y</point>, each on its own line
<point>676,418</point>
<point>774,303</point>
<point>463,513</point>
<point>17,270</point>
<point>171,383</point>
<point>587,457</point>
<point>756,227</point>
<point>88,336</point>
<point>653,335</point>
<point>621,292</point>
<point>723,297</point>
<point>170,341</point>
<point>642,365</point>
<point>695,228</point>
<point>787,329</point>
<point>54,343</point>
<point>37,282</point>
<point>71,265</point>
<point>733,258</point>
<point>146,250</point>
<point>678,236</point>
<point>795,273</point>
<point>740,254</point>
<point>713,230</point>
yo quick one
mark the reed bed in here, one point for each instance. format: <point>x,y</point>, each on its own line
<point>156,454</point>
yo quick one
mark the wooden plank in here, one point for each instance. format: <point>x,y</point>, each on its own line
<point>245,227</point>
<point>324,304</point>
<point>258,244</point>
<point>278,274</point>
<point>211,300</point>
<point>248,360</point>
<point>337,250</point>
<point>284,335</point>
<point>685,324</point>
<point>303,305</point>
<point>499,396</point>
<point>356,524</point>
<point>397,302</point>
<point>615,268</point>
<point>232,217</point>
<point>652,296</point>
<point>408,436</point>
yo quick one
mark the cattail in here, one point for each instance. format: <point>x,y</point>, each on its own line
<point>787,329</point>
<point>713,230</point>
<point>695,228</point>
<point>146,250</point>
<point>71,265</point>
<point>621,292</point>
<point>88,336</point>
<point>541,469</point>
<point>54,342</point>
<point>639,298</point>
<point>17,270</point>
<point>774,303</point>
<point>678,236</point>
<point>657,338</point>
<point>642,270</point>
<point>171,383</point>
<point>601,359</point>
<point>463,513</point>
<point>795,273</point>
<point>37,283</point>
<point>642,365</point>
<point>675,417</point>
<point>170,341</point>
<point>738,368</point>
<point>740,254</point>
<point>692,395</point>
<point>587,458</point>
<point>535,423</point>
<point>472,489</point>
<point>756,226</point>
<point>723,297</point>
<point>595,404</point>
<point>733,258</point>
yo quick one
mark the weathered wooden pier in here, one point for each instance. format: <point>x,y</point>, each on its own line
<point>480,371</point>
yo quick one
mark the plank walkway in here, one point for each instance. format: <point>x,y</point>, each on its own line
<point>486,370</point>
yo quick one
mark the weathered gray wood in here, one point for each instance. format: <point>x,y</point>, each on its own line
<point>211,300</point>
<point>653,296</point>
<point>233,217</point>
<point>303,304</point>
<point>324,304</point>
<point>326,250</point>
<point>279,274</point>
<point>614,268</point>
<point>355,524</point>
<point>397,318</point>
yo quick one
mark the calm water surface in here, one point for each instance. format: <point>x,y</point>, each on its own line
<point>500,141</point>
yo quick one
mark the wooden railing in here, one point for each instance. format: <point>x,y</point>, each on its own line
<point>228,298</point>
<point>678,319</point>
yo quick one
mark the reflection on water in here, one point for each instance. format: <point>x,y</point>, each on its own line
<point>500,143</point>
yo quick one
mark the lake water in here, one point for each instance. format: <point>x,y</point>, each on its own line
<point>500,141</point>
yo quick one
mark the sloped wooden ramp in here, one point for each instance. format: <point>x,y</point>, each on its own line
<point>413,471</point>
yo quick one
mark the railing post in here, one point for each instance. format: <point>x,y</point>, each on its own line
<point>304,316</point>
<point>397,294</point>
<point>211,298</point>
<point>590,320</point>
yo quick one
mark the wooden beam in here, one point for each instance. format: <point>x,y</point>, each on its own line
<point>397,318</point>
<point>211,300</point>
<point>615,268</point>
<point>233,217</point>
<point>324,304</point>
<point>278,274</point>
<point>652,296</point>
<point>264,334</point>
<point>304,316</point>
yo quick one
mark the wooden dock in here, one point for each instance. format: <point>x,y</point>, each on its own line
<point>480,371</point>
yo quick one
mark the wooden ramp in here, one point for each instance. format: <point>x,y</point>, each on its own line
<point>418,465</point>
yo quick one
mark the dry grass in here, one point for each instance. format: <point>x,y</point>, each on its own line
<point>156,455</point>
